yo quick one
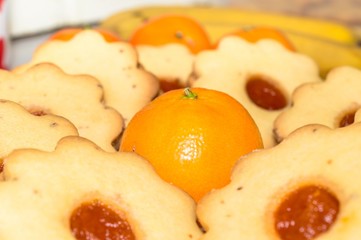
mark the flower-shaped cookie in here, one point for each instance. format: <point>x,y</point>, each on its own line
<point>127,87</point>
<point>21,129</point>
<point>79,191</point>
<point>261,76</point>
<point>46,89</point>
<point>332,103</point>
<point>171,63</point>
<point>306,187</point>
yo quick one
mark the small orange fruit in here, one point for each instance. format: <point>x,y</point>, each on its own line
<point>193,137</point>
<point>68,33</point>
<point>254,34</point>
<point>171,28</point>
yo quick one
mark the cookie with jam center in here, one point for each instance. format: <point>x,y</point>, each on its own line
<point>333,103</point>
<point>261,76</point>
<point>79,191</point>
<point>306,187</point>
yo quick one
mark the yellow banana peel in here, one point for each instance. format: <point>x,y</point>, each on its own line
<point>330,44</point>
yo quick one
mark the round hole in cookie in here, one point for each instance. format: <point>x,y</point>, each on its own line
<point>95,220</point>
<point>263,92</point>
<point>305,213</point>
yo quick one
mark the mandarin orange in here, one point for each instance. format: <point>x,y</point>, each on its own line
<point>193,137</point>
<point>171,28</point>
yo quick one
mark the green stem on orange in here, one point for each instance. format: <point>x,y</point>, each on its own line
<point>189,94</point>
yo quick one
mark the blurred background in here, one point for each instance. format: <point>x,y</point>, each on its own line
<point>28,23</point>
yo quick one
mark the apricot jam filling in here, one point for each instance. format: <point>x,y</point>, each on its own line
<point>37,111</point>
<point>306,213</point>
<point>96,221</point>
<point>265,94</point>
<point>347,119</point>
<point>167,85</point>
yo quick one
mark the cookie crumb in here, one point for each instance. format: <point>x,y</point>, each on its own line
<point>36,191</point>
<point>329,161</point>
<point>53,124</point>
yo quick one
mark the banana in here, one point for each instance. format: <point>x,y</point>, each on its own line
<point>220,20</point>
<point>330,44</point>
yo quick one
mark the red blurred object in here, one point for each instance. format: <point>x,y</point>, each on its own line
<point>2,46</point>
<point>4,35</point>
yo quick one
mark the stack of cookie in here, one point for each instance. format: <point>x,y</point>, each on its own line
<point>299,186</point>
<point>63,114</point>
<point>126,86</point>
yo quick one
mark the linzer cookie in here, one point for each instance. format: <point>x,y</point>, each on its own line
<point>332,103</point>
<point>172,64</point>
<point>79,190</point>
<point>306,187</point>
<point>46,89</point>
<point>261,76</point>
<point>21,129</point>
<point>127,87</point>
